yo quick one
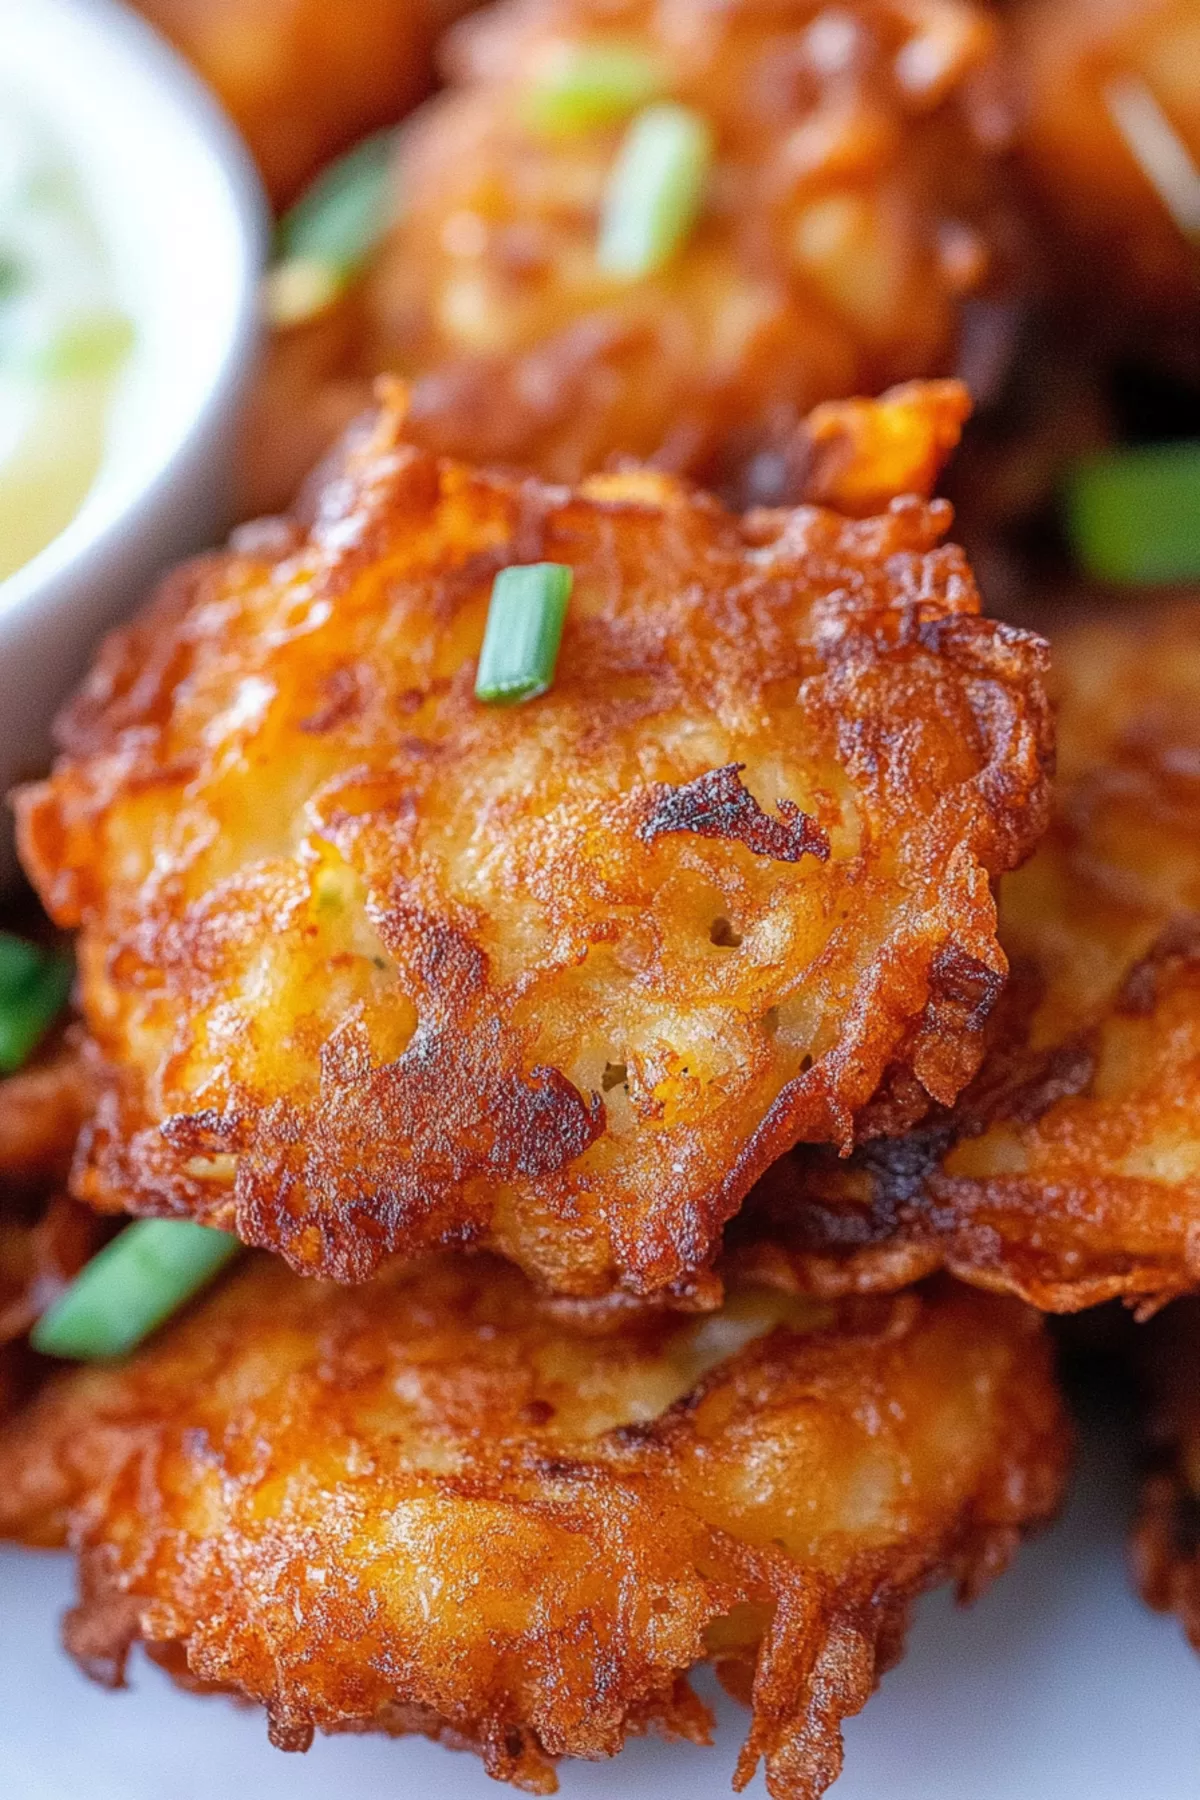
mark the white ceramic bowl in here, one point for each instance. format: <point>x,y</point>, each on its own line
<point>179,206</point>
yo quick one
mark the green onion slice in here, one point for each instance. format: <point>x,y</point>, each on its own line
<point>1134,515</point>
<point>342,217</point>
<point>130,1287</point>
<point>1158,150</point>
<point>329,234</point>
<point>524,630</point>
<point>581,86</point>
<point>34,986</point>
<point>655,191</point>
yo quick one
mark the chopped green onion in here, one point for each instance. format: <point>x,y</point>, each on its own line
<point>344,214</point>
<point>581,86</point>
<point>328,235</point>
<point>1134,515</point>
<point>298,290</point>
<point>1158,150</point>
<point>655,191</point>
<point>126,1291</point>
<point>34,985</point>
<point>523,633</point>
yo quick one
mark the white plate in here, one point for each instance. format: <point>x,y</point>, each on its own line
<point>1059,1685</point>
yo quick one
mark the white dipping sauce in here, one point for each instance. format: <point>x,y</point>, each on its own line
<point>62,339</point>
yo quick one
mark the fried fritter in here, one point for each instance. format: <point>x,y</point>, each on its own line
<point>1070,1172</point>
<point>852,209</point>
<point>375,967</point>
<point>433,1504</point>
<point>1166,1538</point>
<point>45,1238</point>
<point>304,78</point>
<point>1113,122</point>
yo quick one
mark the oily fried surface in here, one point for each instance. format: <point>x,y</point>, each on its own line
<point>375,967</point>
<point>435,1503</point>
<point>45,1238</point>
<point>304,78</point>
<point>1070,1171</point>
<point>1166,1538</point>
<point>1117,237</point>
<point>851,212</point>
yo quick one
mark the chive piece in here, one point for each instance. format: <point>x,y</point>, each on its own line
<point>34,986</point>
<point>327,237</point>
<point>1158,150</point>
<point>340,219</point>
<point>130,1287</point>
<point>655,191</point>
<point>1134,515</point>
<point>300,289</point>
<point>523,633</point>
<point>581,86</point>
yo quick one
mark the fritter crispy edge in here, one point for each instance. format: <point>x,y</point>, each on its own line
<point>423,1504</point>
<point>931,717</point>
<point>1069,1172</point>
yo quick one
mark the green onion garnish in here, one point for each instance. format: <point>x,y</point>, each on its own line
<point>329,234</point>
<point>130,1287</point>
<point>581,86</point>
<point>524,630</point>
<point>655,191</point>
<point>1158,150</point>
<point>34,985</point>
<point>1134,515</point>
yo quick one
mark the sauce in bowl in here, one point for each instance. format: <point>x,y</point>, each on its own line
<point>63,340</point>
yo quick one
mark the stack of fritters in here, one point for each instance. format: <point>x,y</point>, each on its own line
<point>635,1086</point>
<point>372,970</point>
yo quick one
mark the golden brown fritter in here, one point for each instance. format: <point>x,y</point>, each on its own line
<point>852,209</point>
<point>376,967</point>
<point>45,1238</point>
<point>1166,1538</point>
<point>1070,1172</point>
<point>433,1504</point>
<point>304,78</point>
<point>1109,84</point>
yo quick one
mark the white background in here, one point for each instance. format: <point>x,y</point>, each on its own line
<point>1057,1686</point>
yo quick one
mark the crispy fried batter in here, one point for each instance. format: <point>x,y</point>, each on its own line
<point>1070,1171</point>
<point>304,78</point>
<point>850,214</point>
<point>1096,73</point>
<point>1166,1537</point>
<point>429,1504</point>
<point>376,967</point>
<point>45,1238</point>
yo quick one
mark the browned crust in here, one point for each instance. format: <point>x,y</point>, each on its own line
<point>854,210</point>
<point>1069,1171</point>
<point>843,659</point>
<point>259,1497</point>
<point>1165,1544</point>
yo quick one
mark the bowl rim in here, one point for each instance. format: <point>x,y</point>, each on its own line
<point>93,532</point>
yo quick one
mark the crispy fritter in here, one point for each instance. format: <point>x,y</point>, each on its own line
<point>1070,1171</point>
<point>851,212</point>
<point>1166,1538</point>
<point>304,78</point>
<point>433,1504</point>
<point>1108,82</point>
<point>45,1238</point>
<point>375,967</point>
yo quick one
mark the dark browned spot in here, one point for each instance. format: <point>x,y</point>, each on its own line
<point>718,804</point>
<point>615,1075</point>
<point>722,933</point>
